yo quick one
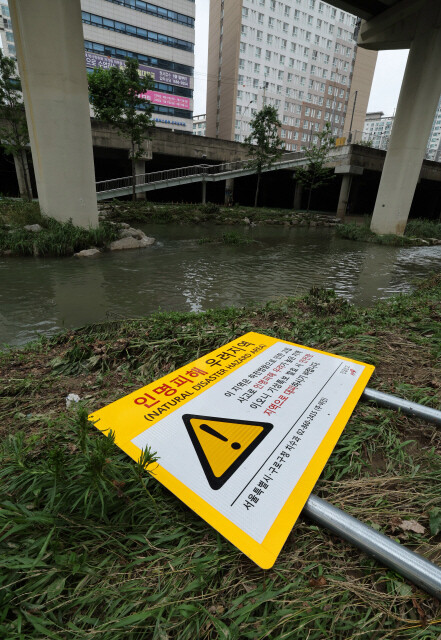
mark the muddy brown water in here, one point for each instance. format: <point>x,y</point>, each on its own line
<point>43,296</point>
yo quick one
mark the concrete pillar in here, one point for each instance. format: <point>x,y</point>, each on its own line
<point>204,191</point>
<point>229,191</point>
<point>23,175</point>
<point>50,53</point>
<point>343,198</point>
<point>298,196</point>
<point>416,108</point>
<point>139,170</point>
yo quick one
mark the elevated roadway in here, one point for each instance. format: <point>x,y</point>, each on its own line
<point>55,93</point>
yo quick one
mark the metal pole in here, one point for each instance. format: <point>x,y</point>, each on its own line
<point>417,569</point>
<point>410,408</point>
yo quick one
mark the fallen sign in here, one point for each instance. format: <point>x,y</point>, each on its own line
<point>243,433</point>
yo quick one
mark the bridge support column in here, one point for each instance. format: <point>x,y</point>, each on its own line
<point>204,191</point>
<point>50,53</point>
<point>347,172</point>
<point>139,170</point>
<point>298,192</point>
<point>23,175</point>
<point>229,191</point>
<point>416,109</point>
<point>343,198</point>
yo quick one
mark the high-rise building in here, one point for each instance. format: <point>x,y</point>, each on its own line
<point>378,128</point>
<point>199,124</point>
<point>160,36</point>
<point>6,35</point>
<point>434,145</point>
<point>298,55</point>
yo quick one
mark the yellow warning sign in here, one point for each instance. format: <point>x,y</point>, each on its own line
<point>242,433</point>
<point>223,445</point>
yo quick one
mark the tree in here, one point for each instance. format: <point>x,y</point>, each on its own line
<point>314,174</point>
<point>264,145</point>
<point>14,136</point>
<point>116,97</point>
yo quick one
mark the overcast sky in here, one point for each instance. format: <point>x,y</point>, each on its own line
<point>385,87</point>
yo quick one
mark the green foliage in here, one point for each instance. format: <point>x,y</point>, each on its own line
<point>116,97</point>
<point>92,546</point>
<point>420,228</point>
<point>365,143</point>
<point>263,143</point>
<point>315,174</point>
<point>17,213</point>
<point>14,136</point>
<point>210,208</point>
<point>231,237</point>
<point>362,233</point>
<point>55,239</point>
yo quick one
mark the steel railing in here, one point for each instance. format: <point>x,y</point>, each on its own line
<point>168,175</point>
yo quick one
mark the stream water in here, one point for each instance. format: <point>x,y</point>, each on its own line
<point>44,295</point>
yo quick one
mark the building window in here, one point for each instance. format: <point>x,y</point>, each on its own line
<point>137,32</point>
<point>122,54</point>
<point>160,12</point>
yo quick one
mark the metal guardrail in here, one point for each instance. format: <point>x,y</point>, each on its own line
<point>203,170</point>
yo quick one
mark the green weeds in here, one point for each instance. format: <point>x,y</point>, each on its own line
<point>92,546</point>
<point>421,228</point>
<point>362,233</point>
<point>415,231</point>
<point>55,239</point>
<point>228,237</point>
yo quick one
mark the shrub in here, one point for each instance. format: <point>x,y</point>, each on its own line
<point>210,208</point>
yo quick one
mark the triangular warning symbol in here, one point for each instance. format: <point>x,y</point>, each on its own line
<point>222,444</point>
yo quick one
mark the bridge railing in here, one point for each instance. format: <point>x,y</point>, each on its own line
<point>126,182</point>
<point>168,174</point>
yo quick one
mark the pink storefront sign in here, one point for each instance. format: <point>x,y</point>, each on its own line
<point>165,99</point>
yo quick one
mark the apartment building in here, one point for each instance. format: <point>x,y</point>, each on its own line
<point>378,128</point>
<point>199,124</point>
<point>160,36</point>
<point>6,35</point>
<point>298,55</point>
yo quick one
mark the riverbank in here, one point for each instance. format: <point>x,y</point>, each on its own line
<point>94,545</point>
<point>25,231</point>
<point>163,213</point>
<point>419,233</point>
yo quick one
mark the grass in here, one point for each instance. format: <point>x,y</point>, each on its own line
<point>362,233</point>
<point>415,231</point>
<point>163,213</point>
<point>229,237</point>
<point>421,228</point>
<point>91,546</point>
<point>55,238</point>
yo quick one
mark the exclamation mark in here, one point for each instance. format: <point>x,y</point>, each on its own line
<point>216,434</point>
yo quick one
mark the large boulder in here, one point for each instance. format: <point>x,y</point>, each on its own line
<point>130,243</point>
<point>88,253</point>
<point>130,232</point>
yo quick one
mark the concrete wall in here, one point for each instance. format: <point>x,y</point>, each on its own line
<point>173,143</point>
